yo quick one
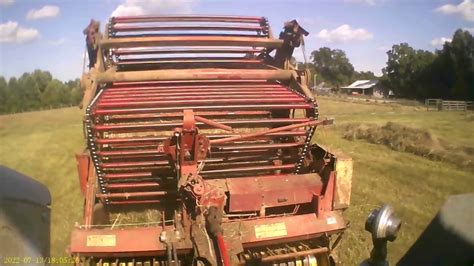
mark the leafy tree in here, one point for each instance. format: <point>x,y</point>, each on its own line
<point>14,101</point>
<point>364,75</point>
<point>42,79</point>
<point>55,95</point>
<point>76,92</point>
<point>456,66</point>
<point>3,95</point>
<point>448,73</point>
<point>405,66</point>
<point>333,66</point>
<point>29,93</point>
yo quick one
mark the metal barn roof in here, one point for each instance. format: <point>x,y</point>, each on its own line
<point>362,84</point>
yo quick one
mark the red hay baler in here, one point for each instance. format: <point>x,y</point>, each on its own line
<point>199,149</point>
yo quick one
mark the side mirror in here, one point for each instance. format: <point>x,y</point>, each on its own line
<point>384,226</point>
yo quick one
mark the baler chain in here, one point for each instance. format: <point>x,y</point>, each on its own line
<point>92,146</point>
<point>286,255</point>
<point>128,262</point>
<point>305,149</point>
<point>310,132</point>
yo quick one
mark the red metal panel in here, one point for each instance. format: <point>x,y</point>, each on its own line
<point>298,227</point>
<point>141,241</point>
<point>83,164</point>
<point>131,241</point>
<point>251,193</point>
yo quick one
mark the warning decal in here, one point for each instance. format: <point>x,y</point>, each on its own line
<point>270,230</point>
<point>101,241</point>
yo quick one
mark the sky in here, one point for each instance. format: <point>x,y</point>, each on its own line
<point>47,35</point>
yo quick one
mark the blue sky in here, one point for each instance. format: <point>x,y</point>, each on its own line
<point>42,34</point>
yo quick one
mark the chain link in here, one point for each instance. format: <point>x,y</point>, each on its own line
<point>92,146</point>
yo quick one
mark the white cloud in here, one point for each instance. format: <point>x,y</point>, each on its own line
<point>6,2</point>
<point>344,33</point>
<point>149,7</point>
<point>366,2</point>
<point>44,12</point>
<point>465,9</point>
<point>57,42</point>
<point>12,32</point>
<point>471,30</point>
<point>439,41</point>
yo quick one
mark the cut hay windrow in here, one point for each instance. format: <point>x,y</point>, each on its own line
<point>412,140</point>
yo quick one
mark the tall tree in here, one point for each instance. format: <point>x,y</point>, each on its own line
<point>365,75</point>
<point>42,79</point>
<point>37,90</point>
<point>3,95</point>
<point>333,66</point>
<point>456,65</point>
<point>29,93</point>
<point>404,68</point>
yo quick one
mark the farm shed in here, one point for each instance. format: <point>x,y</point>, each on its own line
<point>364,87</point>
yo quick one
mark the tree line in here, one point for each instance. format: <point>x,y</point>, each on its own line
<point>37,91</point>
<point>447,73</point>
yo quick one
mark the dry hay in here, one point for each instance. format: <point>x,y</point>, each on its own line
<point>412,140</point>
<point>139,217</point>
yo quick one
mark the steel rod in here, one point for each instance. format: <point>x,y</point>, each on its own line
<point>132,185</point>
<point>188,61</point>
<point>210,93</point>
<point>199,101</point>
<point>120,28</point>
<point>190,41</point>
<point>202,74</point>
<point>182,85</point>
<point>259,122</point>
<point>191,50</point>
<point>127,175</point>
<point>246,169</point>
<point>132,194</point>
<point>295,254</point>
<point>135,164</point>
<point>197,97</point>
<point>207,108</point>
<point>140,19</point>
<point>273,130</point>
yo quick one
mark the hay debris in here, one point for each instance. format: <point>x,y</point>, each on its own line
<point>139,217</point>
<point>412,140</point>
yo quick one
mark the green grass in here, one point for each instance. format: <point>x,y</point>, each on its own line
<point>42,145</point>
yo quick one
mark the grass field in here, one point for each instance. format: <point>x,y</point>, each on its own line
<point>42,145</point>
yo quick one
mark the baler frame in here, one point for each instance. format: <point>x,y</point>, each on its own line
<point>295,197</point>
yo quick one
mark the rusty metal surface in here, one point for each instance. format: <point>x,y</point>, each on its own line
<point>253,193</point>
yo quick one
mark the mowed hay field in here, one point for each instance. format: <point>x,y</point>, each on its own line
<point>42,145</point>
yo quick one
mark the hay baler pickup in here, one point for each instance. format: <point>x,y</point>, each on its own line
<point>199,149</point>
